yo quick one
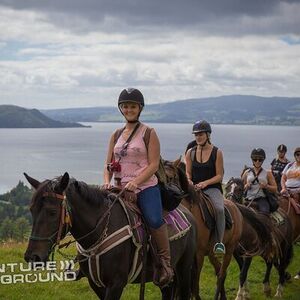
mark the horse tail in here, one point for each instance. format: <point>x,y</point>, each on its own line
<point>262,227</point>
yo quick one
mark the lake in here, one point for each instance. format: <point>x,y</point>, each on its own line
<point>46,153</point>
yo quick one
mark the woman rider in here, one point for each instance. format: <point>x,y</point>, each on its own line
<point>256,179</point>
<point>291,176</point>
<point>133,168</point>
<point>205,169</point>
<point>278,164</point>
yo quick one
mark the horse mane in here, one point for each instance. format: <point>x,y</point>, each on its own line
<point>246,168</point>
<point>93,194</point>
<point>193,196</point>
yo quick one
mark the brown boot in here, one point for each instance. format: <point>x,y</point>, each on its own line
<point>161,241</point>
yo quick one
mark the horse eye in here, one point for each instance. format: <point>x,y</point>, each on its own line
<point>52,212</point>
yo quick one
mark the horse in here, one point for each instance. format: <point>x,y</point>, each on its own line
<point>280,245</point>
<point>91,215</point>
<point>290,203</point>
<point>175,173</point>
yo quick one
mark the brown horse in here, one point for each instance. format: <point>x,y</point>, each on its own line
<point>279,249</point>
<point>206,238</point>
<point>288,204</point>
<point>93,216</point>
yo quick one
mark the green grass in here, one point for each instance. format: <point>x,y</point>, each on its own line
<point>12,252</point>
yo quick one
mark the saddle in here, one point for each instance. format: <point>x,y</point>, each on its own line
<point>208,213</point>
<point>177,225</point>
<point>278,216</point>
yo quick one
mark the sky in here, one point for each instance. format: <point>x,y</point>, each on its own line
<point>74,53</point>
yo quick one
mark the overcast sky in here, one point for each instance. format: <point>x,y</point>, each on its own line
<point>75,53</point>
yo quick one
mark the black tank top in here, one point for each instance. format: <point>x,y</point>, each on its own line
<point>206,170</point>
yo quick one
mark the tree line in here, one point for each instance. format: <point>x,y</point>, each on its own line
<point>15,217</point>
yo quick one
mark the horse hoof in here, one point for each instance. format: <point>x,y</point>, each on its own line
<point>278,295</point>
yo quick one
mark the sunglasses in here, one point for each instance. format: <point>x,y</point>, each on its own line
<point>257,159</point>
<point>297,154</point>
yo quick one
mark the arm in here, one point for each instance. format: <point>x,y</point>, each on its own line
<point>271,185</point>
<point>153,159</point>
<point>244,178</point>
<point>188,166</point>
<point>283,181</point>
<point>107,176</point>
<point>219,172</point>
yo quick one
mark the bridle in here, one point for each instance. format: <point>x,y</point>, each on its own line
<point>232,195</point>
<point>65,219</point>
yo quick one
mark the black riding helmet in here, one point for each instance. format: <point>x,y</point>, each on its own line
<point>258,153</point>
<point>282,148</point>
<point>131,95</point>
<point>201,126</point>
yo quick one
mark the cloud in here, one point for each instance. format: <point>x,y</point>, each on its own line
<point>82,53</point>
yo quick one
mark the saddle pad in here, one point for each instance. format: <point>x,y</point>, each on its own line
<point>277,217</point>
<point>178,224</point>
<point>176,221</point>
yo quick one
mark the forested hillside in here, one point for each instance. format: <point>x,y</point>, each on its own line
<point>15,218</point>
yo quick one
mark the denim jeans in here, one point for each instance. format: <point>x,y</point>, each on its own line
<point>149,202</point>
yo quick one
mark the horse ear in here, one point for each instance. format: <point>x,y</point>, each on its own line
<point>33,182</point>
<point>64,181</point>
<point>177,162</point>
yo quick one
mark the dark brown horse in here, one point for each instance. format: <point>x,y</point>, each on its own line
<point>278,249</point>
<point>206,238</point>
<point>92,215</point>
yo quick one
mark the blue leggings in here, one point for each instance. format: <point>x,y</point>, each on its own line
<point>149,202</point>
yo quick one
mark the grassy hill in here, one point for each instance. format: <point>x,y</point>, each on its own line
<point>18,117</point>
<point>12,252</point>
<point>234,109</point>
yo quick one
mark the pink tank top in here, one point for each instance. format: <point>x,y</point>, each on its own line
<point>135,161</point>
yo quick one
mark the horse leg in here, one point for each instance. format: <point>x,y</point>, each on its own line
<point>114,292</point>
<point>99,291</point>
<point>183,276</point>
<point>266,281</point>
<point>281,267</point>
<point>220,291</point>
<point>169,292</point>
<point>196,275</point>
<point>244,265</point>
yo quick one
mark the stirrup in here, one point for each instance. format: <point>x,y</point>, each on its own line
<point>219,248</point>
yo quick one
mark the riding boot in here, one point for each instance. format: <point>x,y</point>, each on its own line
<point>165,272</point>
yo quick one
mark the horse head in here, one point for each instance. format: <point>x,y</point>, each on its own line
<point>234,190</point>
<point>175,172</point>
<point>49,216</point>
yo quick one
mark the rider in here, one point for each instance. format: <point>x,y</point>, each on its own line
<point>278,164</point>
<point>290,180</point>
<point>204,168</point>
<point>134,167</point>
<point>256,179</point>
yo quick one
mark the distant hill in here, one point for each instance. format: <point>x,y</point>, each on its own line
<point>235,109</point>
<point>18,117</point>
